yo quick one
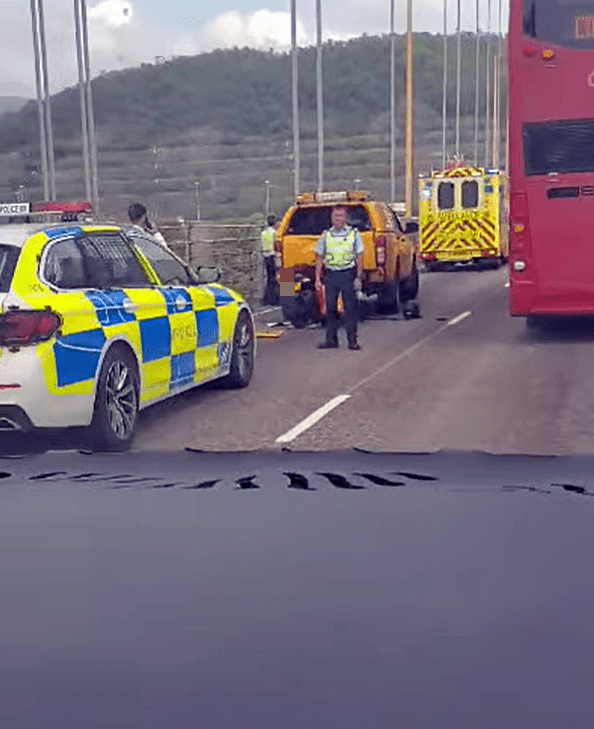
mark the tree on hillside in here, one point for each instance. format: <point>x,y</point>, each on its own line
<point>246,92</point>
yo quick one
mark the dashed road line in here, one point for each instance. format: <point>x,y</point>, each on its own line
<point>267,311</point>
<point>312,419</point>
<point>321,412</point>
<point>459,318</point>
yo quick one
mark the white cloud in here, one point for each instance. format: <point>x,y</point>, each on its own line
<point>261,29</point>
<point>120,35</point>
<point>112,13</point>
<point>112,34</point>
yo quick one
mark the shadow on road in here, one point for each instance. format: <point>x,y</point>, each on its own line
<point>20,444</point>
<point>568,330</point>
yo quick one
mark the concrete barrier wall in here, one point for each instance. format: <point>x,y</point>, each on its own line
<point>233,248</point>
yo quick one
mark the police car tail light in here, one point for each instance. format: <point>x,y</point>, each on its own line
<point>20,328</point>
<point>380,251</point>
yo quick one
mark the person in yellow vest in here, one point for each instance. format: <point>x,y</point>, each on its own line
<point>339,251</point>
<point>271,295</point>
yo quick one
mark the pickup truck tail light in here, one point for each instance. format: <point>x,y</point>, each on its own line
<point>21,328</point>
<point>380,251</point>
<point>278,252</point>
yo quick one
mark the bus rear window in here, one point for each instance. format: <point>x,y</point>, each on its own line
<point>564,22</point>
<point>8,258</point>
<point>559,147</point>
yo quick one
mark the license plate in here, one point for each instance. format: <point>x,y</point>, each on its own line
<point>453,255</point>
<point>458,255</point>
<point>584,27</point>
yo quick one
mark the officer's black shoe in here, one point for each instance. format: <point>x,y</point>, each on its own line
<point>355,346</point>
<point>328,345</point>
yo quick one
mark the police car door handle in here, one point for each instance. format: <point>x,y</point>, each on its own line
<point>129,306</point>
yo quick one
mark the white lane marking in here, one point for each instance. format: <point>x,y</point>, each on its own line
<point>318,414</point>
<point>267,311</point>
<point>506,286</point>
<point>311,419</point>
<point>459,318</point>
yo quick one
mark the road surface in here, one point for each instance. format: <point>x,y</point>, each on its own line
<point>466,376</point>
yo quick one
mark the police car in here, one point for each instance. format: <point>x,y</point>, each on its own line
<point>99,321</point>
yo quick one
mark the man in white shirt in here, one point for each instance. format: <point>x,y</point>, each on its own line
<point>138,216</point>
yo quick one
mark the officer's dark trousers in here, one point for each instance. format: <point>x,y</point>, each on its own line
<point>341,282</point>
<point>271,294</point>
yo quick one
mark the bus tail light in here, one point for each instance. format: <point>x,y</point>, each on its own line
<point>519,205</point>
<point>22,328</point>
<point>519,223</point>
<point>380,251</point>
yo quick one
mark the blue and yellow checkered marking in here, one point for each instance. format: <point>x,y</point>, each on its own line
<point>207,323</point>
<point>222,296</point>
<point>155,335</point>
<point>165,362</point>
<point>63,232</point>
<point>77,356</point>
<point>173,299</point>
<point>183,369</point>
<point>109,306</point>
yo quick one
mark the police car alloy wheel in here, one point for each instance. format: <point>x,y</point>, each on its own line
<point>242,359</point>
<point>116,403</point>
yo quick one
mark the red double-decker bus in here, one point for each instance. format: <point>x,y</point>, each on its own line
<point>551,162</point>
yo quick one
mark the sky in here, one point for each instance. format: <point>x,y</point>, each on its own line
<point>125,33</point>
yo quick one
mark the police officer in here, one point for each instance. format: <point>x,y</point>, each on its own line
<point>340,251</point>
<point>138,216</point>
<point>271,296</point>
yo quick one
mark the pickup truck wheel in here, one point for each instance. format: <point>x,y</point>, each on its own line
<point>301,310</point>
<point>411,310</point>
<point>408,289</point>
<point>387,300</point>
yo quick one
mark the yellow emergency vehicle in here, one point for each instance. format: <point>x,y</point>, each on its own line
<point>462,213</point>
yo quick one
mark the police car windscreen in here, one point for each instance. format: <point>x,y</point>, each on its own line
<point>566,146</point>
<point>315,220</point>
<point>8,259</point>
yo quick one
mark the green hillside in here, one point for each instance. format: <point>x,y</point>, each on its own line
<point>243,92</point>
<point>222,120</point>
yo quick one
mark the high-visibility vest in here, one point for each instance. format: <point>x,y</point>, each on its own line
<point>268,241</point>
<point>340,252</point>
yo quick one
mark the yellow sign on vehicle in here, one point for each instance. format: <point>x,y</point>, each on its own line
<point>462,216</point>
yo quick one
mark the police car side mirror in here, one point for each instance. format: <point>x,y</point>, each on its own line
<point>411,228</point>
<point>208,274</point>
